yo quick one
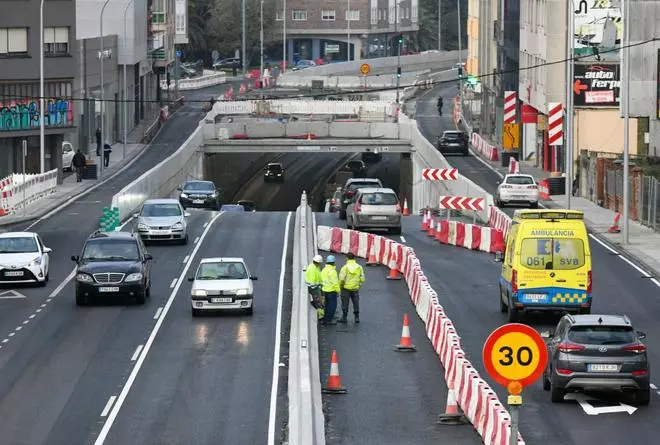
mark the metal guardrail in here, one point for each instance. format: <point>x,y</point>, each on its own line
<point>306,420</point>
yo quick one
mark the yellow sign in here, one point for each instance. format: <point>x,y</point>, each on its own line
<point>511,136</point>
<point>541,122</point>
<point>365,69</point>
<point>515,353</point>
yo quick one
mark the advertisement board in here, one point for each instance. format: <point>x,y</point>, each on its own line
<point>598,30</point>
<point>596,85</point>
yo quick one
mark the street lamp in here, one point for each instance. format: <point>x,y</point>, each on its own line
<point>348,32</point>
<point>460,60</point>
<point>284,37</point>
<point>124,98</point>
<point>42,125</point>
<point>399,40</point>
<point>570,49</point>
<point>102,55</point>
<point>626,122</point>
<point>261,35</point>
<point>244,38</point>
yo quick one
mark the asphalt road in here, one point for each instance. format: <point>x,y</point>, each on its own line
<point>467,283</point>
<point>393,397</point>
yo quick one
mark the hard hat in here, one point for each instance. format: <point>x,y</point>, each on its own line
<point>317,259</point>
<point>330,259</point>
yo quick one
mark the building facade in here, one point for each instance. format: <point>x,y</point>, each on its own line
<point>323,30</point>
<point>181,22</point>
<point>19,83</point>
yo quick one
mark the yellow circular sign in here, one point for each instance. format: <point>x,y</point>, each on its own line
<point>365,68</point>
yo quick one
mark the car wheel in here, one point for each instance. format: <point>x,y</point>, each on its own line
<point>148,292</point>
<point>643,397</point>
<point>556,394</point>
<point>141,298</point>
<point>503,306</point>
<point>196,312</point>
<point>184,241</point>
<point>534,205</point>
<point>512,313</point>
<point>80,300</point>
<point>342,214</point>
<point>546,382</point>
<point>396,230</point>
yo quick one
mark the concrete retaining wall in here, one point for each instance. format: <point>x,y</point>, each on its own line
<point>339,130</point>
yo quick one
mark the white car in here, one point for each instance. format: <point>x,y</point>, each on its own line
<point>67,156</point>
<point>23,258</point>
<point>222,283</point>
<point>518,189</point>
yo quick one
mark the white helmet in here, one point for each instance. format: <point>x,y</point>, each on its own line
<point>317,259</point>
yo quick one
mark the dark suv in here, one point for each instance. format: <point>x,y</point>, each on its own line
<point>597,353</point>
<point>454,142</point>
<point>113,264</point>
<point>202,194</point>
<point>274,172</point>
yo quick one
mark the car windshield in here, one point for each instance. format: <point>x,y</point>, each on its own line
<point>199,186</point>
<point>361,185</point>
<point>221,271</point>
<point>275,168</point>
<point>601,335</point>
<point>452,136</point>
<point>111,250</point>
<point>161,210</point>
<point>23,244</point>
<point>520,180</point>
<point>552,253</point>
<point>378,199</point>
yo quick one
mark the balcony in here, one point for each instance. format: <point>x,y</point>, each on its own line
<point>158,21</point>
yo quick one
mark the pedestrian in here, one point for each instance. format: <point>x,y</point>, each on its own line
<point>266,78</point>
<point>234,67</point>
<point>440,104</point>
<point>98,142</point>
<point>78,162</point>
<point>314,281</point>
<point>351,278</point>
<point>107,149</point>
<point>330,288</point>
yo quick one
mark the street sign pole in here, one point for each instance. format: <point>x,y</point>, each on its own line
<point>24,153</point>
<point>626,122</point>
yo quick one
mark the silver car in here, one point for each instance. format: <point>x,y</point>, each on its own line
<point>374,208</point>
<point>222,283</point>
<point>162,220</point>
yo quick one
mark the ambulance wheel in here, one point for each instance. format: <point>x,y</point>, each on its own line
<point>512,313</point>
<point>503,307</point>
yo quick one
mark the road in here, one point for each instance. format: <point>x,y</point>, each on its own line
<point>468,281</point>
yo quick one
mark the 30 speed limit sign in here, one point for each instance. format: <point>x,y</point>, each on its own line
<point>515,353</point>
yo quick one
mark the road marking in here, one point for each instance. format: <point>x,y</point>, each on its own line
<point>100,440</point>
<point>590,410</point>
<point>5,340</point>
<point>644,273</point>
<point>653,387</point>
<point>108,406</point>
<point>173,283</point>
<point>278,328</point>
<point>196,239</point>
<point>185,260</point>
<point>136,354</point>
<point>11,295</point>
<point>403,240</point>
<point>38,310</point>
<point>31,316</point>
<point>11,334</point>
<point>603,244</point>
<point>26,321</point>
<point>18,328</point>
<point>158,312</point>
<point>205,224</point>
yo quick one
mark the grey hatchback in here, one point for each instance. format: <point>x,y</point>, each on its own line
<point>597,353</point>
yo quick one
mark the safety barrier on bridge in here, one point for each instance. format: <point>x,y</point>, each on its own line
<point>478,400</point>
<point>349,82</point>
<point>484,148</point>
<point>305,108</point>
<point>209,78</point>
<point>20,190</point>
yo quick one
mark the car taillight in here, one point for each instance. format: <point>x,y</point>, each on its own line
<point>349,194</point>
<point>589,282</point>
<point>564,371</point>
<point>333,201</point>
<point>358,207</point>
<point>569,347</point>
<point>398,208</point>
<point>640,373</point>
<point>637,348</point>
<point>514,281</point>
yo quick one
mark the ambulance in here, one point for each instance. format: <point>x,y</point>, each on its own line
<point>546,264</point>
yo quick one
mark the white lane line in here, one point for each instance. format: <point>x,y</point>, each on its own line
<point>18,328</point>
<point>205,224</point>
<point>43,305</point>
<point>136,354</point>
<point>11,334</point>
<point>185,260</point>
<point>403,240</point>
<point>593,237</point>
<point>38,310</point>
<point>158,312</point>
<point>31,316</point>
<point>173,283</point>
<point>644,273</point>
<point>26,321</point>
<point>108,406</point>
<point>196,239</point>
<point>653,387</point>
<point>100,440</point>
<point>278,334</point>
<point>5,340</point>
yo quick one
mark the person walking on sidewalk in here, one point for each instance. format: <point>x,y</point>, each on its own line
<point>351,279</point>
<point>98,142</point>
<point>78,163</point>
<point>107,149</point>
<point>314,282</point>
<point>330,288</point>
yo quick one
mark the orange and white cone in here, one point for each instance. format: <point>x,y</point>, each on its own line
<point>334,385</point>
<point>431,231</point>
<point>425,221</point>
<point>452,415</point>
<point>405,345</point>
<point>394,273</point>
<point>615,225</point>
<point>406,212</point>
<point>372,261</point>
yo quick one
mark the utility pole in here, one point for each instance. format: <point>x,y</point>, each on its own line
<point>398,48</point>
<point>439,25</point>
<point>244,39</point>
<point>284,38</point>
<point>460,57</point>
<point>626,123</point>
<point>348,32</point>
<point>570,49</point>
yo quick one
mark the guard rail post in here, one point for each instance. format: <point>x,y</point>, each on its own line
<point>306,420</point>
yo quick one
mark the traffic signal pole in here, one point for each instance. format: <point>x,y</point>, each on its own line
<point>398,49</point>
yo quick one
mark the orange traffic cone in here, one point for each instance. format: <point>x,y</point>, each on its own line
<point>431,232</point>
<point>615,226</point>
<point>334,385</point>
<point>405,345</point>
<point>425,220</point>
<point>452,416</point>
<point>372,261</point>
<point>309,135</point>
<point>394,273</point>
<point>405,207</point>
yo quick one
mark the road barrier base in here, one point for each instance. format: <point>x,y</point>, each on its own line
<point>452,419</point>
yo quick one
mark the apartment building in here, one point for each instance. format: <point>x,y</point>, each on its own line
<point>19,82</point>
<point>181,22</point>
<point>326,30</point>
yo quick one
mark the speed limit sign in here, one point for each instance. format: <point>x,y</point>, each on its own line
<point>515,353</point>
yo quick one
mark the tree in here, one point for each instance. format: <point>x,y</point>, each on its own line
<point>428,24</point>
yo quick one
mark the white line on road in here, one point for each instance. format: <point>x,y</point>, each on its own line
<point>108,406</point>
<point>136,354</point>
<point>100,440</point>
<point>653,386</point>
<point>403,240</point>
<point>26,321</point>
<point>18,328</point>
<point>31,316</point>
<point>278,334</point>
<point>5,340</point>
<point>196,239</point>
<point>38,310</point>
<point>173,283</point>
<point>185,260</point>
<point>11,334</point>
<point>158,312</point>
<point>205,224</point>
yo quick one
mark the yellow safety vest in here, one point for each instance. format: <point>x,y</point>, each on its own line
<point>313,275</point>
<point>352,275</point>
<point>329,279</point>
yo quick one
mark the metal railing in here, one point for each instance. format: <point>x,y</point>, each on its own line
<point>648,202</point>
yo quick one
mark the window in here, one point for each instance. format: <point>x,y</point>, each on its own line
<point>520,180</point>
<point>552,253</point>
<point>161,210</point>
<point>180,23</point>
<point>21,244</point>
<point>376,199</point>
<point>56,41</point>
<point>13,41</point>
<point>601,335</point>
<point>279,16</point>
<point>353,15</point>
<point>199,186</point>
<point>111,250</point>
<point>221,271</point>
<point>328,16</point>
<point>299,15</point>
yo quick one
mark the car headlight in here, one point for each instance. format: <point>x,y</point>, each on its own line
<point>178,226</point>
<point>133,277</point>
<point>35,262</point>
<point>279,174</point>
<point>142,226</point>
<point>184,195</point>
<point>199,293</point>
<point>213,195</point>
<point>83,277</point>
<point>242,292</point>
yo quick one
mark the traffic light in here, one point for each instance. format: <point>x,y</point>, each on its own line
<point>400,39</point>
<point>460,71</point>
<point>472,80</point>
<point>398,71</point>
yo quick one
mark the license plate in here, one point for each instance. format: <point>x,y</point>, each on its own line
<point>535,298</point>
<point>221,300</point>
<point>379,218</point>
<point>160,232</point>
<point>198,201</point>
<point>15,273</point>
<point>599,367</point>
<point>108,289</point>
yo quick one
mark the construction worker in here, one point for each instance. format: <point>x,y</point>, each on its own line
<point>313,280</point>
<point>351,278</point>
<point>330,288</point>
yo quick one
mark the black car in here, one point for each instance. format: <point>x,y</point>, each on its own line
<point>250,206</point>
<point>274,172</point>
<point>358,168</point>
<point>371,157</point>
<point>597,353</point>
<point>202,194</point>
<point>454,142</point>
<point>113,264</point>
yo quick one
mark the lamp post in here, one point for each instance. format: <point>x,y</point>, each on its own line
<point>124,98</point>
<point>626,122</point>
<point>261,35</point>
<point>42,125</point>
<point>439,25</point>
<point>570,49</point>
<point>398,48</point>
<point>244,38</point>
<point>284,37</point>
<point>348,32</point>
<point>460,59</point>
<point>101,57</point>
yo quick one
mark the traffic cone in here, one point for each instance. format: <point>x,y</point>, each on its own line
<point>438,230</point>
<point>309,136</point>
<point>405,345</point>
<point>334,385</point>
<point>372,261</point>
<point>425,220</point>
<point>615,226</point>
<point>431,231</point>
<point>394,273</point>
<point>452,416</point>
<point>405,207</point>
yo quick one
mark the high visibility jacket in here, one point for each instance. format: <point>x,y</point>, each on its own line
<point>329,279</point>
<point>351,275</point>
<point>313,275</point>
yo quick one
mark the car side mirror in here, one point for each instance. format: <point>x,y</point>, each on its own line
<point>497,182</point>
<point>148,257</point>
<point>186,214</point>
<point>191,279</point>
<point>254,278</point>
<point>546,334</point>
<point>47,250</point>
<point>499,256</point>
<point>179,189</point>
<point>641,335</point>
<point>75,258</point>
<point>136,215</point>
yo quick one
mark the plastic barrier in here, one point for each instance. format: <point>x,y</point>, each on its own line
<point>514,165</point>
<point>317,107</point>
<point>21,190</point>
<point>469,236</point>
<point>196,83</point>
<point>499,220</point>
<point>544,190</point>
<point>479,402</point>
<point>485,149</point>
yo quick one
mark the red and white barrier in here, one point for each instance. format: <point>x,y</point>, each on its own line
<point>499,220</point>
<point>22,190</point>
<point>475,396</point>
<point>544,190</point>
<point>514,166</point>
<point>485,149</point>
